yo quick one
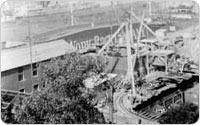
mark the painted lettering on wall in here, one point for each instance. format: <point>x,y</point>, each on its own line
<point>101,39</point>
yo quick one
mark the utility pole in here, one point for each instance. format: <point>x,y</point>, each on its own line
<point>111,103</point>
<point>139,34</point>
<point>132,60</point>
<point>115,12</point>
<point>93,17</point>
<point>72,16</point>
<point>30,46</point>
<point>150,11</point>
<point>111,19</point>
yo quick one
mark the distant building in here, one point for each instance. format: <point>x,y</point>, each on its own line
<point>182,9</point>
<point>12,10</point>
<point>182,12</point>
<point>11,44</point>
<point>16,73</point>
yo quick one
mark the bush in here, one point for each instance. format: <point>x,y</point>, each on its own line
<point>187,113</point>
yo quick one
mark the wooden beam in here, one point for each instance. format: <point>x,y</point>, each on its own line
<point>130,70</point>
<point>108,42</point>
<point>139,34</point>
<point>147,63</point>
<point>146,26</point>
<point>166,64</point>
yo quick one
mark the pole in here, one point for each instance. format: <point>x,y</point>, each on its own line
<point>150,12</point>
<point>93,17</point>
<point>111,18</point>
<point>139,34</point>
<point>131,27</point>
<point>111,104</point>
<point>72,16</point>
<point>147,63</point>
<point>130,60</point>
<point>108,42</point>
<point>166,64</point>
<point>30,47</point>
<point>146,26</point>
<point>111,23</point>
<point>115,13</point>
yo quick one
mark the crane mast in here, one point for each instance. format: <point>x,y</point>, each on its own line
<point>130,70</point>
<point>131,58</point>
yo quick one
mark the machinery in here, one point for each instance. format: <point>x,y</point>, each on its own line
<point>161,71</point>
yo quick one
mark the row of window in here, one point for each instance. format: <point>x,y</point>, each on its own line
<point>176,99</point>
<point>21,72</point>
<point>35,88</point>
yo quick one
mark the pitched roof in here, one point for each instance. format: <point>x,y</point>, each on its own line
<point>162,52</point>
<point>17,57</point>
<point>149,41</point>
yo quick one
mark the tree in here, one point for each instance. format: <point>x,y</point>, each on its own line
<point>63,99</point>
<point>43,108</point>
<point>6,114</point>
<point>187,113</point>
<point>65,75</point>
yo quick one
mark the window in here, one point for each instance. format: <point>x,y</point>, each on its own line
<point>20,74</point>
<point>177,97</point>
<point>35,69</point>
<point>43,85</point>
<point>179,102</point>
<point>22,90</point>
<point>160,103</point>
<point>168,102</point>
<point>35,87</point>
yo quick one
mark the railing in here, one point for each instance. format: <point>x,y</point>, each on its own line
<point>11,95</point>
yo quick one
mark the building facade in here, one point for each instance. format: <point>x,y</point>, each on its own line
<point>21,70</point>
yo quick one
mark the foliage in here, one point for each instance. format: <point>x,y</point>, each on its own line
<point>6,114</point>
<point>187,113</point>
<point>65,75</point>
<point>64,98</point>
<point>43,108</point>
<point>102,87</point>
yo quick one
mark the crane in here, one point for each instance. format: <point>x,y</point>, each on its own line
<point>131,57</point>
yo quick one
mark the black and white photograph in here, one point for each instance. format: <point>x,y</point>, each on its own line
<point>100,61</point>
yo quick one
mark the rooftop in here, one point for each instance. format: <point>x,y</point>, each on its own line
<point>162,52</point>
<point>149,41</point>
<point>11,44</point>
<point>17,57</point>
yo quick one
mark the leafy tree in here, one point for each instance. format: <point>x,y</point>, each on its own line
<point>63,99</point>
<point>187,113</point>
<point>6,114</point>
<point>43,108</point>
<point>64,76</point>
